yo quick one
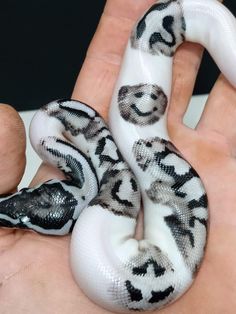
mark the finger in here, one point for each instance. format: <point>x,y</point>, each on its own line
<point>12,149</point>
<point>185,68</point>
<point>186,64</point>
<point>219,115</point>
<point>215,137</point>
<point>96,80</point>
<point>46,172</point>
<point>97,77</point>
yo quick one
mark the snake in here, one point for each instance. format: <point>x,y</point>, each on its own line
<point>111,172</point>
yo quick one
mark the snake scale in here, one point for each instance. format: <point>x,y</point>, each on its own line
<point>107,173</point>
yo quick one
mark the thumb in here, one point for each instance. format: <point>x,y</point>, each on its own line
<point>12,149</point>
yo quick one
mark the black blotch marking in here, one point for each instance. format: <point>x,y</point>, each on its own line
<point>140,113</point>
<point>180,180</point>
<point>61,101</point>
<point>178,229</point>
<point>142,270</point>
<point>134,185</point>
<point>122,92</point>
<point>76,112</point>
<point>178,193</point>
<point>104,202</point>
<point>115,191</point>
<point>160,295</point>
<point>76,169</point>
<point>92,130</point>
<point>139,95</point>
<point>63,112</point>
<point>156,7</point>
<point>76,172</point>
<point>141,27</point>
<point>108,175</point>
<point>135,294</point>
<point>157,37</point>
<point>100,148</point>
<point>154,97</point>
<point>149,144</point>
<point>202,202</point>
<point>201,220</point>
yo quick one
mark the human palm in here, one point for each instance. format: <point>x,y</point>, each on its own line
<point>35,274</point>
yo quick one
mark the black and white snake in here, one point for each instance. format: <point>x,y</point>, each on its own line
<point>100,199</point>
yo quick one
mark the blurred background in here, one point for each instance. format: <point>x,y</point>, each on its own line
<point>43,45</point>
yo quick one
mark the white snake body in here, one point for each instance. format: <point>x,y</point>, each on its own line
<point>100,199</point>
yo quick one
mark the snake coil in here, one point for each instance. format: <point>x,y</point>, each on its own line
<point>99,201</point>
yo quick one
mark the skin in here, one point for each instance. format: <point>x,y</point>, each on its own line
<point>35,274</point>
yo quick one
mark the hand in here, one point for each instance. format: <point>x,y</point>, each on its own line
<point>35,273</point>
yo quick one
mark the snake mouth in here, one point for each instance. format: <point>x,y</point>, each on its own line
<point>139,112</point>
